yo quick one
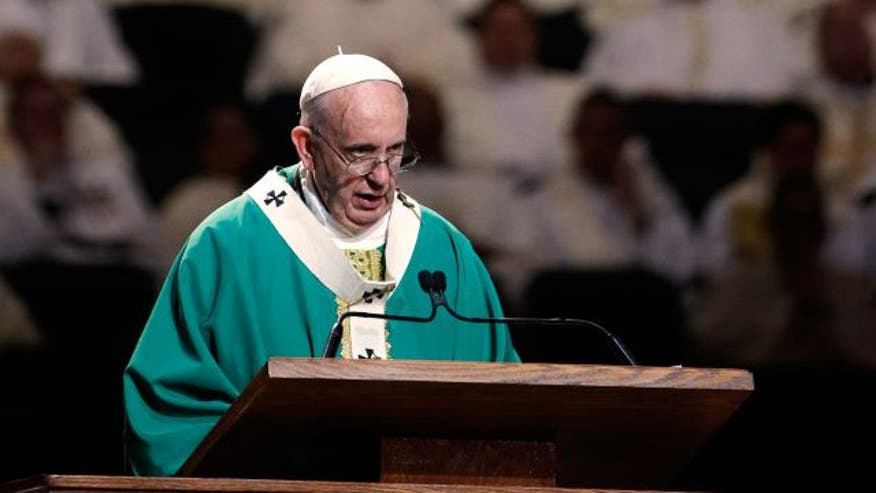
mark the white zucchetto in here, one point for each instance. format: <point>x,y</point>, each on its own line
<point>343,70</point>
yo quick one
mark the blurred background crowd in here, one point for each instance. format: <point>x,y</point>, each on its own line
<point>697,175</point>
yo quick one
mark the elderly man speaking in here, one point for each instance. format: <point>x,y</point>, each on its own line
<point>270,272</point>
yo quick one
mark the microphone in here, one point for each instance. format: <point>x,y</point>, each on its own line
<point>436,282</point>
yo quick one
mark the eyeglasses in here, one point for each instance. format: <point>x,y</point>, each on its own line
<point>362,165</point>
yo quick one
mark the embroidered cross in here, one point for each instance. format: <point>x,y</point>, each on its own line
<point>404,200</point>
<point>369,354</point>
<point>277,198</point>
<point>374,293</point>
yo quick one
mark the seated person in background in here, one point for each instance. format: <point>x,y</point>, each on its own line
<point>788,306</point>
<point>19,57</point>
<point>437,181</point>
<point>841,88</point>
<point>269,273</point>
<point>613,210</point>
<point>427,122</point>
<point>509,117</point>
<point>734,224</point>
<point>74,44</point>
<point>227,151</point>
<point>55,204</point>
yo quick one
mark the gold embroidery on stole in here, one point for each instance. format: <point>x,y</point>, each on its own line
<point>369,263</point>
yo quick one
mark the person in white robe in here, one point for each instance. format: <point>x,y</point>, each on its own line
<point>841,88</point>
<point>734,225</point>
<point>788,305</point>
<point>510,115</point>
<point>228,149</point>
<point>614,209</point>
<point>54,204</point>
<point>713,49</point>
<point>73,43</point>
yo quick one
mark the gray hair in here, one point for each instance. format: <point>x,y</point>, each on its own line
<point>316,112</point>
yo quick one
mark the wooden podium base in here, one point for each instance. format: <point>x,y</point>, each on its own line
<point>473,462</point>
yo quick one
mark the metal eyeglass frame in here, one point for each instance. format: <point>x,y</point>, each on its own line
<point>361,166</point>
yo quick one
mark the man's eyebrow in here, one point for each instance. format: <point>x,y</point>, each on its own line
<point>359,147</point>
<point>367,147</point>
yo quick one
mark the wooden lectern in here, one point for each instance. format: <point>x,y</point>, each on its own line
<point>469,423</point>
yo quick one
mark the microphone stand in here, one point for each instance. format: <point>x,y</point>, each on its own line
<point>334,338</point>
<point>435,284</point>
<point>438,282</point>
<point>617,345</point>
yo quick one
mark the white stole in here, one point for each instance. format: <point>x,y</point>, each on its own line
<point>308,240</point>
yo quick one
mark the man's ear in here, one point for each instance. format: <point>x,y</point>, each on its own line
<point>301,138</point>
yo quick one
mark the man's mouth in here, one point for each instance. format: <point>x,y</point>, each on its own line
<point>368,200</point>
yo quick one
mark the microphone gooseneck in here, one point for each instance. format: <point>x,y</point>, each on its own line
<point>436,291</point>
<point>435,283</point>
<point>334,338</point>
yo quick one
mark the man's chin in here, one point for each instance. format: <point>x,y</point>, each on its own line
<point>363,219</point>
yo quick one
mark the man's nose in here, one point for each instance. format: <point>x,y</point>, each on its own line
<point>380,173</point>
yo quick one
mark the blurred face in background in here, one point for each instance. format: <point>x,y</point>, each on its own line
<point>795,149</point>
<point>598,137</point>
<point>426,122</point>
<point>797,224</point>
<point>229,146</point>
<point>507,37</point>
<point>20,56</point>
<point>38,123</point>
<point>844,47</point>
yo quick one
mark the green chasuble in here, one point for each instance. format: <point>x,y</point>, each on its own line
<point>238,294</point>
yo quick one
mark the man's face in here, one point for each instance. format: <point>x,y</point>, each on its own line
<point>598,140</point>
<point>795,150</point>
<point>367,119</point>
<point>508,39</point>
<point>20,56</point>
<point>844,47</point>
<point>229,146</point>
<point>39,120</point>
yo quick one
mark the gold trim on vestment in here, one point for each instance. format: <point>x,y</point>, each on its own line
<point>369,263</point>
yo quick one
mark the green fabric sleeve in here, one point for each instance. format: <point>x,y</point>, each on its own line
<point>174,389</point>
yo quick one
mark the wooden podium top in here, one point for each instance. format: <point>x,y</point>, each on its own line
<point>128,484</point>
<point>637,424</point>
